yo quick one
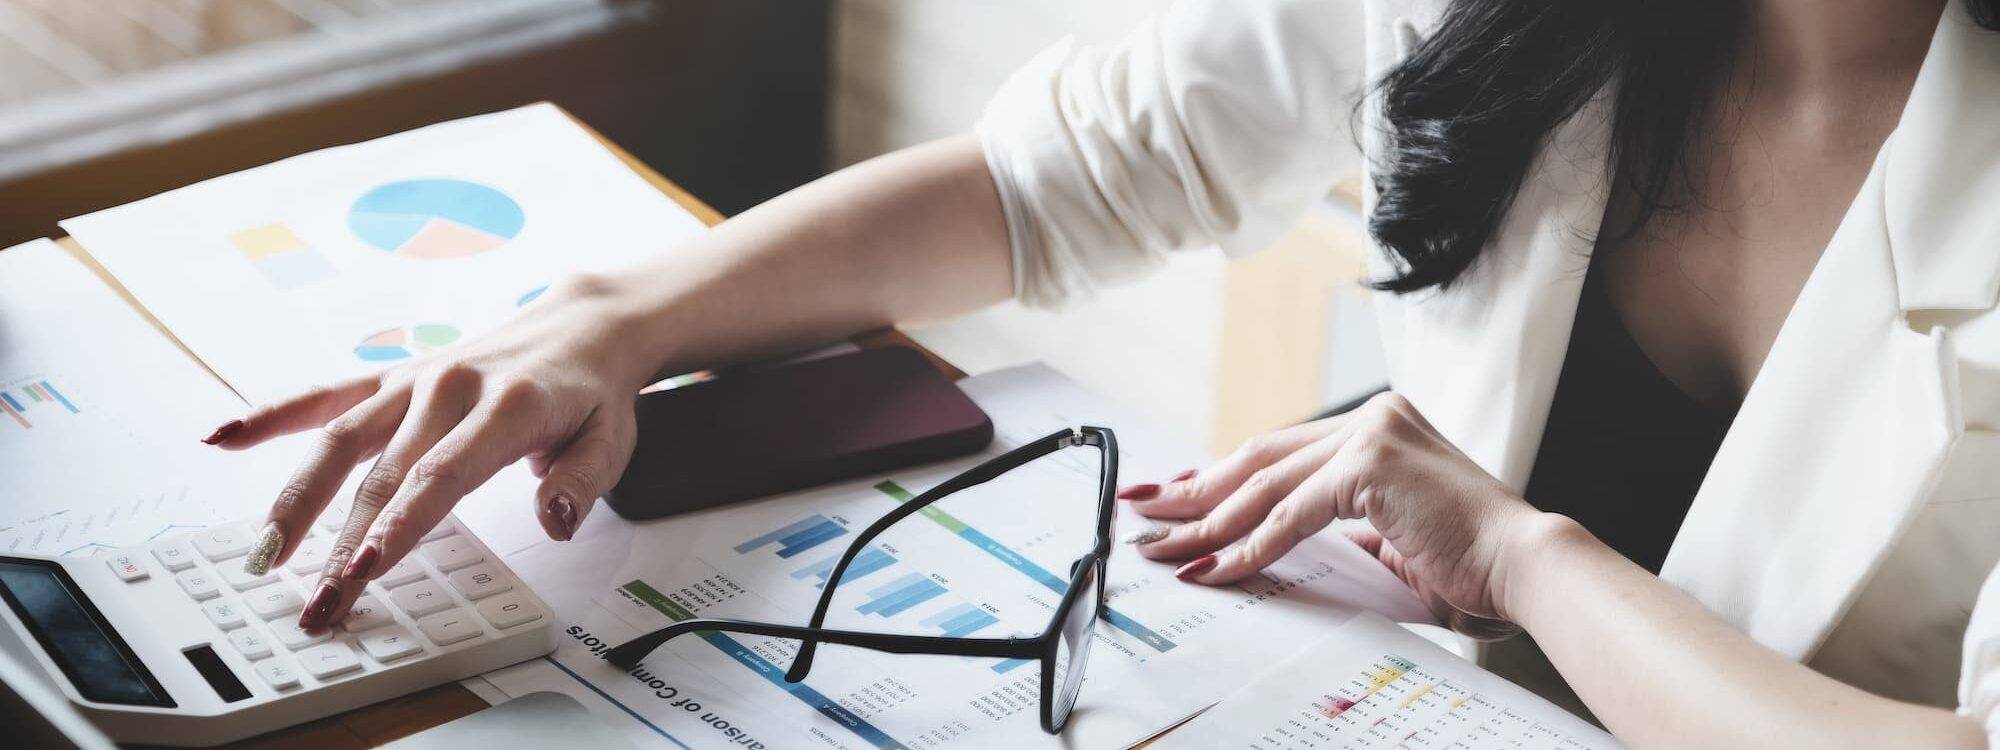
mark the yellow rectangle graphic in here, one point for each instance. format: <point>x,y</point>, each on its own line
<point>266,241</point>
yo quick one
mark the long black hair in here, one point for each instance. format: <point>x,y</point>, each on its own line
<point>1467,110</point>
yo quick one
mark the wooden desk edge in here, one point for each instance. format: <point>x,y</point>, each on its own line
<point>400,717</point>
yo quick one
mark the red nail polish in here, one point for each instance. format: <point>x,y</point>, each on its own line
<point>1139,492</point>
<point>1195,567</point>
<point>1185,475</point>
<point>320,607</point>
<point>363,562</point>
<point>222,433</point>
<point>565,514</point>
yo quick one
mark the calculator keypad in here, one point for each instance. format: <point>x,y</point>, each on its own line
<point>444,593</point>
<point>223,542</point>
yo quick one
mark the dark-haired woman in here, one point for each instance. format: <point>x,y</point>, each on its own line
<point>1689,306</point>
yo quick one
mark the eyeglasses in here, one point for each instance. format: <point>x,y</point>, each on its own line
<point>1063,647</point>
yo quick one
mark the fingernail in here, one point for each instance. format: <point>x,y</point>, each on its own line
<point>1139,492</point>
<point>1195,567</point>
<point>1148,535</point>
<point>363,562</point>
<point>222,433</point>
<point>1185,475</point>
<point>320,607</point>
<point>272,539</point>
<point>565,514</point>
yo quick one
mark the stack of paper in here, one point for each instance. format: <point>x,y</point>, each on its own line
<point>100,417</point>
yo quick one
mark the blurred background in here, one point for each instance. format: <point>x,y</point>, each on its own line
<point>107,101</point>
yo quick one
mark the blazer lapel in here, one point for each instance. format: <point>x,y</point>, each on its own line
<point>1845,431</point>
<point>1481,360</point>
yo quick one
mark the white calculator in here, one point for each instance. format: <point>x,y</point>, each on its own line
<point>172,643</point>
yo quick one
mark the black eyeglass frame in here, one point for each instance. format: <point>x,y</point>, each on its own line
<point>1043,647</point>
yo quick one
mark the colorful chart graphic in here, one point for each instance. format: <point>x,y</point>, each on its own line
<point>890,599</point>
<point>435,218</point>
<point>24,397</point>
<point>404,343</point>
<point>282,256</point>
<point>960,621</point>
<point>869,560</point>
<point>796,537</point>
<point>532,295</point>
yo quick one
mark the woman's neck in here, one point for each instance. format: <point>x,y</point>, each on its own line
<point>1813,43</point>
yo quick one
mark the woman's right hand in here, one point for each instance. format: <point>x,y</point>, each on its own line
<point>555,385</point>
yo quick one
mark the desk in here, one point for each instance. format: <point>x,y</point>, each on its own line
<point>373,725</point>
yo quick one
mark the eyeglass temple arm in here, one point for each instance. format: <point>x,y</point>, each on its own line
<point>977,475</point>
<point>628,654</point>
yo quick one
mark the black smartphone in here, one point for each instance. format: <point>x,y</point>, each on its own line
<point>758,432</point>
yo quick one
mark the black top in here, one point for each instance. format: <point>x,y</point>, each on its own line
<point>1625,449</point>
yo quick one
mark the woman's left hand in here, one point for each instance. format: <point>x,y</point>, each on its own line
<point>1441,523</point>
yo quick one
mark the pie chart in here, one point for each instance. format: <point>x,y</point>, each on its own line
<point>404,343</point>
<point>435,218</point>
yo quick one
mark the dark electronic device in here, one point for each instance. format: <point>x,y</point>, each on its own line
<point>763,431</point>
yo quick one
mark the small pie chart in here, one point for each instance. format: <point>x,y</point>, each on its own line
<point>404,343</point>
<point>435,218</point>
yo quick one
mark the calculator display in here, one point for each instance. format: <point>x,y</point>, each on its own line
<point>76,636</point>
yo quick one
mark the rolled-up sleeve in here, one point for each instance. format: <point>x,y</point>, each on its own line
<point>1218,123</point>
<point>1979,676</point>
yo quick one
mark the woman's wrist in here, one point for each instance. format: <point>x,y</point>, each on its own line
<point>1534,545</point>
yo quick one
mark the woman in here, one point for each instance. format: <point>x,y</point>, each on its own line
<point>1712,282</point>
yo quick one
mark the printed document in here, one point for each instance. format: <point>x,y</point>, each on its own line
<point>1372,684</point>
<point>347,260</point>
<point>992,561</point>
<point>101,416</point>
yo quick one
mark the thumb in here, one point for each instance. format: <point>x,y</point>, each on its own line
<point>582,471</point>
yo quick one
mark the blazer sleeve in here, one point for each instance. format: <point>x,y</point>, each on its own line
<point>1218,123</point>
<point>1979,676</point>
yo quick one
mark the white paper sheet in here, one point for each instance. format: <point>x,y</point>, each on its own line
<point>1173,649</point>
<point>344,261</point>
<point>1372,684</point>
<point>102,417</point>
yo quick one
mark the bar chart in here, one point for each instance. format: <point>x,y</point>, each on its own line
<point>960,620</point>
<point>796,537</point>
<point>870,560</point>
<point>27,396</point>
<point>894,597</point>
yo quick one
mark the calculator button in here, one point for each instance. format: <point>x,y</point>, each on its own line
<point>310,557</point>
<point>329,660</point>
<point>480,581</point>
<point>223,542</point>
<point>174,554</point>
<point>404,571</point>
<point>440,531</point>
<point>389,644</point>
<point>367,612</point>
<point>277,674</point>
<point>273,601</point>
<point>451,553</point>
<point>242,580</point>
<point>293,638</point>
<point>446,628</point>
<point>224,613</point>
<point>508,610</point>
<point>198,584</point>
<point>421,598</point>
<point>250,643</point>
<point>127,566</point>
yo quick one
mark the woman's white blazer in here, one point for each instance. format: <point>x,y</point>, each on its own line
<point>1852,517</point>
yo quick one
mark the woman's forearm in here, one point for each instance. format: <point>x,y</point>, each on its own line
<point>1662,671</point>
<point>912,235</point>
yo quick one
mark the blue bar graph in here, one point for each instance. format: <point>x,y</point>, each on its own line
<point>796,537</point>
<point>960,621</point>
<point>903,593</point>
<point>870,560</point>
<point>1008,665</point>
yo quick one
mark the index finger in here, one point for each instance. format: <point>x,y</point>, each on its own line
<point>304,411</point>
